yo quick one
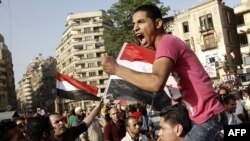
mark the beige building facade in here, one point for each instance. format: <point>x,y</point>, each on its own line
<point>7,84</point>
<point>210,31</point>
<point>242,13</point>
<point>37,87</point>
<point>79,53</point>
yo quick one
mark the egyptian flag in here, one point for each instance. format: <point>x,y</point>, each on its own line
<point>70,88</point>
<point>139,59</point>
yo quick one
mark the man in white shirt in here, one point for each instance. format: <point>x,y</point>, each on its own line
<point>133,130</point>
<point>230,107</point>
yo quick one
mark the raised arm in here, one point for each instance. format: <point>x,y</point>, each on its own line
<point>57,102</point>
<point>88,120</point>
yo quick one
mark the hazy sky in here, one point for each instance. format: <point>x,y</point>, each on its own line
<point>31,27</point>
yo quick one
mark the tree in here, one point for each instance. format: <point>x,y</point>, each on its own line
<point>120,15</point>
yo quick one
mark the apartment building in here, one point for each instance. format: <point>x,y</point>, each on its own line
<point>7,83</point>
<point>79,53</point>
<point>37,87</point>
<point>209,29</point>
<point>242,13</point>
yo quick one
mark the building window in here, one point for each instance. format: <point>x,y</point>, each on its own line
<point>90,56</point>
<point>83,66</point>
<point>99,54</point>
<point>209,42</point>
<point>88,38</point>
<point>91,65</point>
<point>83,75</point>
<point>96,29</point>
<point>102,82</point>
<point>210,60</point>
<point>102,90</point>
<point>209,21</point>
<point>100,72</point>
<point>206,22</point>
<point>240,20</point>
<point>185,27</point>
<point>82,57</point>
<point>97,38</point>
<point>92,74</point>
<point>87,30</point>
<point>229,36</point>
<point>99,64</point>
<point>247,60</point>
<point>88,47</point>
<point>227,16</point>
<point>78,47</point>
<point>93,83</point>
<point>243,40</point>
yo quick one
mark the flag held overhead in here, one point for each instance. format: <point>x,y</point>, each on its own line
<point>139,59</point>
<point>70,88</point>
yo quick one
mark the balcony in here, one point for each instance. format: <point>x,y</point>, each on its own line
<point>87,60</point>
<point>28,98</point>
<point>208,47</point>
<point>27,94</point>
<point>206,28</point>
<point>27,85</point>
<point>99,44</point>
<point>93,31</point>
<point>2,69</point>
<point>3,77</point>
<point>28,89</point>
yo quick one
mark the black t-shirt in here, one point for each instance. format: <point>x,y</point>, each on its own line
<point>72,133</point>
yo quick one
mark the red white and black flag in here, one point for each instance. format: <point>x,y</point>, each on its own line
<point>140,59</point>
<point>70,88</point>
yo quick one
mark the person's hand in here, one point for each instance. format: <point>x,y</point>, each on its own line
<point>109,65</point>
<point>57,100</point>
<point>100,104</point>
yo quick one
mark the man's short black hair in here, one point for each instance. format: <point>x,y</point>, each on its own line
<point>5,127</point>
<point>177,114</point>
<point>227,99</point>
<point>36,126</point>
<point>152,11</point>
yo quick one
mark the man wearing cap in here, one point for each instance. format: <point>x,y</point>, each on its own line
<point>142,120</point>
<point>79,116</point>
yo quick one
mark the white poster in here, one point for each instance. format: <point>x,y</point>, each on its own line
<point>211,70</point>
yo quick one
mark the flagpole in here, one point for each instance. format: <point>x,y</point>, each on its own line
<point>118,57</point>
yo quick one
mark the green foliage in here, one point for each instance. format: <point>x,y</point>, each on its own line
<point>121,16</point>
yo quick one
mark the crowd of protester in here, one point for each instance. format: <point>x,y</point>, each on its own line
<point>199,114</point>
<point>111,121</point>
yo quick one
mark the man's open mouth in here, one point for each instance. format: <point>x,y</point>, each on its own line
<point>139,37</point>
